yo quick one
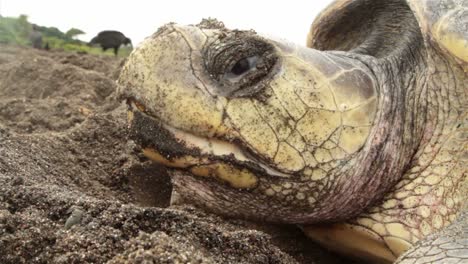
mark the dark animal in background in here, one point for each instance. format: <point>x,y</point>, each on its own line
<point>35,37</point>
<point>111,39</point>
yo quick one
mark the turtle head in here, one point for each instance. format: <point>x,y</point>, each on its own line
<point>244,122</point>
<point>257,127</point>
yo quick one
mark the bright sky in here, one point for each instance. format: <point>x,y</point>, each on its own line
<point>137,19</point>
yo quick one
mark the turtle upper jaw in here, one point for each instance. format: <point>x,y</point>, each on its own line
<point>199,156</point>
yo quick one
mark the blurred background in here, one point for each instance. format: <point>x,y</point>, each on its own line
<point>70,25</point>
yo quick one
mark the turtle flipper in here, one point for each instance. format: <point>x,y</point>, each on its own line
<point>450,245</point>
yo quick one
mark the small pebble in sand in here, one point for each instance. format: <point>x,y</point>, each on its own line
<point>17,181</point>
<point>75,218</point>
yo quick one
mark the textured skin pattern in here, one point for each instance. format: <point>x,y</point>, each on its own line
<point>433,191</point>
<point>450,246</point>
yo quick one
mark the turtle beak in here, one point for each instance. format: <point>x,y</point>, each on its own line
<point>164,73</point>
<point>179,150</point>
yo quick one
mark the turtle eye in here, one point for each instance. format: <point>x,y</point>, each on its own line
<point>239,63</point>
<point>241,68</point>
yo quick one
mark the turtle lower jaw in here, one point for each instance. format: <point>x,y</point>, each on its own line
<point>199,156</point>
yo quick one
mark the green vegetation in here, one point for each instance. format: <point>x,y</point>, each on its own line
<point>73,32</point>
<point>17,30</point>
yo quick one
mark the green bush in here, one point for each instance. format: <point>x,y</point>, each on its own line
<point>14,30</point>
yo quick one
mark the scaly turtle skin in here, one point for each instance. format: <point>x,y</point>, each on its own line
<point>361,137</point>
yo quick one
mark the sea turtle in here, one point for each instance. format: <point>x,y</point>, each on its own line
<point>360,137</point>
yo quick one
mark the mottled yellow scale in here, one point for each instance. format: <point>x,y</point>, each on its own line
<point>251,126</point>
